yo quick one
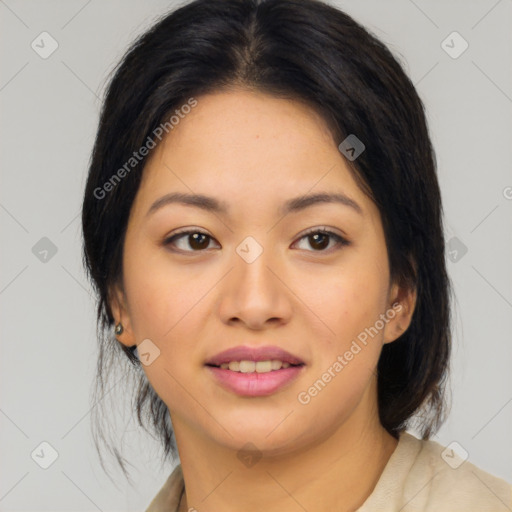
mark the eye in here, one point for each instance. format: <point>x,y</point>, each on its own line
<point>319,239</point>
<point>198,241</point>
<point>195,239</point>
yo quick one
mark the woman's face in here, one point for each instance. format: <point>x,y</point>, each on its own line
<point>254,272</point>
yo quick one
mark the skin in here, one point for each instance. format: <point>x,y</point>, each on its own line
<point>254,152</point>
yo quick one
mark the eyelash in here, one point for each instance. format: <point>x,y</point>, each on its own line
<point>341,242</point>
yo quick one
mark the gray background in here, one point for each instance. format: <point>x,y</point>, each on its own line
<point>49,112</point>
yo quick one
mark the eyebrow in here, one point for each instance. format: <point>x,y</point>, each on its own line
<point>213,205</point>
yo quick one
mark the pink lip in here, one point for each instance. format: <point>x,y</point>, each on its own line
<point>253,354</point>
<point>255,384</point>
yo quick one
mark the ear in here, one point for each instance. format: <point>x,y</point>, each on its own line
<point>401,304</point>
<point>118,306</point>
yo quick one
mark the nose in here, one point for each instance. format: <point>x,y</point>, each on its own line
<point>256,294</point>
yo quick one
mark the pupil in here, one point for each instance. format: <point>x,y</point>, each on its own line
<point>196,241</point>
<point>325,239</point>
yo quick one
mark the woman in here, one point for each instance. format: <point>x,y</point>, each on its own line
<point>262,222</point>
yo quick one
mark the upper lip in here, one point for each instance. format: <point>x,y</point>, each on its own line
<point>245,353</point>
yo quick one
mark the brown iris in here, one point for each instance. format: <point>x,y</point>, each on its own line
<point>199,241</point>
<point>314,240</point>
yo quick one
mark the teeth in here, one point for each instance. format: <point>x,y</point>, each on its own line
<point>276,364</point>
<point>263,366</point>
<point>247,366</point>
<point>234,366</point>
<point>253,366</point>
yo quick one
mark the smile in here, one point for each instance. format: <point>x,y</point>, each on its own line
<point>246,366</point>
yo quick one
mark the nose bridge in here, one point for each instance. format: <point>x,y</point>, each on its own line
<point>254,293</point>
<point>254,277</point>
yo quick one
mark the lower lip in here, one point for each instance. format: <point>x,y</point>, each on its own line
<point>255,384</point>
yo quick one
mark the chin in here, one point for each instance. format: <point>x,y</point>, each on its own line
<point>268,433</point>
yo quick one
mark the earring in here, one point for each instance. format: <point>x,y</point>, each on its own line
<point>119,329</point>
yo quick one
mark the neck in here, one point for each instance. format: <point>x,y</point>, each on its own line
<point>337,473</point>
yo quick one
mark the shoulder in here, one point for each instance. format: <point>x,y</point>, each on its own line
<point>456,481</point>
<point>426,476</point>
<point>168,498</point>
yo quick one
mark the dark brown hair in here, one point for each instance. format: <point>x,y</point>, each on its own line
<point>298,49</point>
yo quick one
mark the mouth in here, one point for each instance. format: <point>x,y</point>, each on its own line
<point>259,371</point>
<point>247,366</point>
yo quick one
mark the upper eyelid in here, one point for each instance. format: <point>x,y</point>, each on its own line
<point>309,231</point>
<point>314,229</point>
<point>325,229</point>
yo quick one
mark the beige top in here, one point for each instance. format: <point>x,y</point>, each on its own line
<point>420,476</point>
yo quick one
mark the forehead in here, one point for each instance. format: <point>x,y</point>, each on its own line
<point>244,145</point>
<point>261,115</point>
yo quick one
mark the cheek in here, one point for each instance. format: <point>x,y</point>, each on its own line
<point>165,307</point>
<point>349,301</point>
<point>161,297</point>
<point>346,358</point>
<point>168,306</point>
